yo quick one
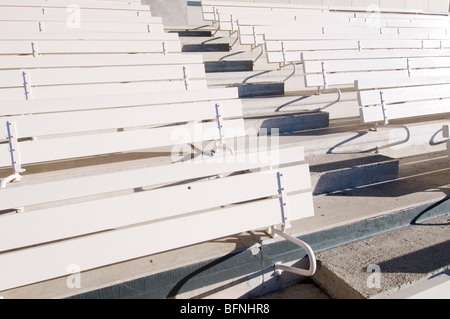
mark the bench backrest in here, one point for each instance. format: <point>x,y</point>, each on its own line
<point>91,43</point>
<point>231,22</point>
<point>84,4</point>
<point>209,8</point>
<point>151,73</point>
<point>52,61</point>
<point>416,23</point>
<point>128,224</point>
<point>255,34</point>
<point>66,128</point>
<point>73,14</point>
<point>36,27</point>
<point>291,51</point>
<point>384,100</point>
<point>345,72</point>
<point>326,55</point>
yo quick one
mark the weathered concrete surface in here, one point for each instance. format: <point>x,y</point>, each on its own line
<point>382,265</point>
<point>333,172</point>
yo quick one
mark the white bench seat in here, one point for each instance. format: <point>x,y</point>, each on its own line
<point>291,51</point>
<point>52,129</point>
<point>344,72</point>
<point>75,14</point>
<point>92,43</point>
<point>384,100</point>
<point>52,61</point>
<point>87,4</point>
<point>94,132</point>
<point>36,27</point>
<point>372,54</point>
<point>129,224</point>
<point>161,75</point>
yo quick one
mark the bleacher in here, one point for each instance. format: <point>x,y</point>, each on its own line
<point>112,140</point>
<point>121,145</point>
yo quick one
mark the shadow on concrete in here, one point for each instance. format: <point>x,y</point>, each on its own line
<point>423,261</point>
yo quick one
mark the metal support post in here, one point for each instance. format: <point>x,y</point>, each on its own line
<point>15,155</point>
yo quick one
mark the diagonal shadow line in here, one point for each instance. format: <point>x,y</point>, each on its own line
<point>230,55</point>
<point>358,135</point>
<point>291,102</point>
<point>255,75</point>
<point>432,140</point>
<point>176,289</point>
<point>211,40</point>
<point>416,222</point>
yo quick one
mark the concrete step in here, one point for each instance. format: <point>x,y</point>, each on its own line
<point>336,172</point>
<point>205,44</point>
<point>386,264</point>
<point>228,66</point>
<point>206,47</point>
<point>192,33</point>
<point>287,123</point>
<point>306,102</point>
<point>349,136</point>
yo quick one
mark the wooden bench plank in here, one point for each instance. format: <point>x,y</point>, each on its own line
<point>399,98</point>
<point>93,60</point>
<point>340,72</point>
<point>52,26</point>
<point>112,74</point>
<point>64,82</point>
<point>81,3</point>
<point>44,150</point>
<point>90,45</point>
<point>84,121</point>
<point>64,14</point>
<point>406,110</point>
<point>368,54</point>
<point>21,195</point>
<point>109,213</point>
<point>110,101</point>
<point>71,36</point>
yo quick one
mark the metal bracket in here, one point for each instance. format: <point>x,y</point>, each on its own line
<point>222,143</point>
<point>378,148</point>
<point>284,202</point>
<point>324,76</point>
<point>186,78</point>
<point>326,89</point>
<point>446,131</point>
<point>164,48</point>
<point>27,85</point>
<point>279,268</point>
<point>14,153</point>
<point>284,64</point>
<point>383,108</point>
<point>34,49</point>
<point>408,66</point>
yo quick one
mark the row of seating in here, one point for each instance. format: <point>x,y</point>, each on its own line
<point>340,48</point>
<point>91,112</point>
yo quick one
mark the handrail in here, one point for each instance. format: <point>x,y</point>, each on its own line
<point>293,72</point>
<point>9,179</point>
<point>377,149</point>
<point>312,258</point>
<point>338,91</point>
